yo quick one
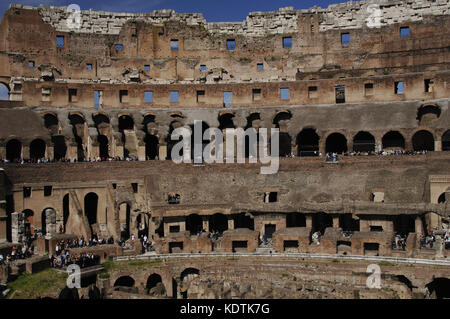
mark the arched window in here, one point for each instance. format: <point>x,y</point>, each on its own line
<point>4,92</point>
<point>308,142</point>
<point>124,281</point>
<point>363,142</point>
<point>13,150</point>
<point>394,140</point>
<point>423,141</point>
<point>90,207</point>
<point>336,143</point>
<point>155,286</point>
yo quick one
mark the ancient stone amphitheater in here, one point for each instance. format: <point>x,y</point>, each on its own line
<point>91,99</point>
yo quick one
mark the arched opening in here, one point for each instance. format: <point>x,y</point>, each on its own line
<point>37,149</point>
<point>406,281</point>
<point>281,120</point>
<point>13,150</point>
<point>363,142</point>
<point>244,221</point>
<point>404,224</point>
<point>441,198</point>
<point>218,223</point>
<point>308,142</point>
<point>194,224</point>
<point>393,140</point>
<point>28,216</point>
<point>428,113</point>
<point>100,119</point>
<point>90,209</point>
<point>103,146</point>
<point>124,217</point>
<point>154,286</point>
<point>226,121</point>
<point>336,143</point>
<point>295,220</point>
<point>320,222</point>
<point>423,141</point>
<point>151,146</point>
<point>59,147</point>
<point>124,281</point>
<point>4,92</point>
<point>186,277</point>
<point>51,123</point>
<point>48,221</point>
<point>66,211</point>
<point>77,123</point>
<point>440,287</point>
<point>446,141</point>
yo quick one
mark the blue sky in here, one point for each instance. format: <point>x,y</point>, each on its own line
<point>212,10</point>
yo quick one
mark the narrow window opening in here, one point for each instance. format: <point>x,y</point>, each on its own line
<point>312,92</point>
<point>72,95</point>
<point>345,38</point>
<point>26,192</point>
<point>404,32</point>
<point>340,94</point>
<point>429,85</point>
<point>231,44</point>
<point>60,42</point>
<point>173,96</point>
<point>368,89</point>
<point>256,93</point>
<point>202,67</point>
<point>98,99</point>
<point>148,96</point>
<point>200,96</point>
<point>134,186</point>
<point>31,64</point>
<point>287,42</point>
<point>174,45</point>
<point>260,66</point>
<point>123,96</point>
<point>174,229</point>
<point>284,93</point>
<point>147,67</point>
<point>399,87</point>
<point>47,191</point>
<point>227,99</point>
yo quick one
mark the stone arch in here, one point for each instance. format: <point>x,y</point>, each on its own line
<point>124,281</point>
<point>4,91</point>
<point>13,150</point>
<point>440,287</point>
<point>91,208</point>
<point>186,276</point>
<point>363,142</point>
<point>253,120</point>
<point>336,143</point>
<point>48,221</point>
<point>51,123</point>
<point>155,286</point>
<point>37,149</point>
<point>446,141</point>
<point>423,140</point>
<point>308,142</point>
<point>125,220</point>
<point>281,119</point>
<point>28,216</point>
<point>427,113</point>
<point>226,120</point>
<point>126,122</point>
<point>393,140</point>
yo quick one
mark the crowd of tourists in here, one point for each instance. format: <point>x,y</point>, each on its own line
<point>64,160</point>
<point>81,242</point>
<point>399,242</point>
<point>83,260</point>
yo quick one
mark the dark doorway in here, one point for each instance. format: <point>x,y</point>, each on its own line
<point>404,224</point>
<point>371,249</point>
<point>154,286</point>
<point>66,211</point>
<point>239,245</point>
<point>393,139</point>
<point>59,147</point>
<point>176,247</point>
<point>363,142</point>
<point>441,198</point>
<point>285,144</point>
<point>308,143</point>
<point>103,146</point>
<point>295,220</point>
<point>423,141</point>
<point>90,208</point>
<point>37,149</point>
<point>348,223</point>
<point>151,146</point>
<point>290,244</point>
<point>13,150</point>
<point>194,224</point>
<point>218,223</point>
<point>336,143</point>
<point>446,141</point>
<point>124,281</point>
<point>269,229</point>
<point>243,221</point>
<point>320,222</point>
<point>439,286</point>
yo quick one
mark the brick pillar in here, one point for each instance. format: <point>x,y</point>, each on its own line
<point>438,145</point>
<point>336,221</point>
<point>162,152</point>
<point>26,152</point>
<point>2,152</point>
<point>230,223</point>
<point>419,226</point>
<point>205,223</point>
<point>309,221</point>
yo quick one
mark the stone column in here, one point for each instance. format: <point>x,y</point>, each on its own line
<point>162,152</point>
<point>309,221</point>
<point>17,227</point>
<point>419,226</point>
<point>141,153</point>
<point>438,145</point>
<point>26,152</point>
<point>49,152</point>
<point>205,223</point>
<point>2,152</point>
<point>336,221</point>
<point>230,223</point>
<point>50,223</point>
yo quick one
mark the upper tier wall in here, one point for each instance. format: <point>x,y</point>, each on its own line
<point>349,15</point>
